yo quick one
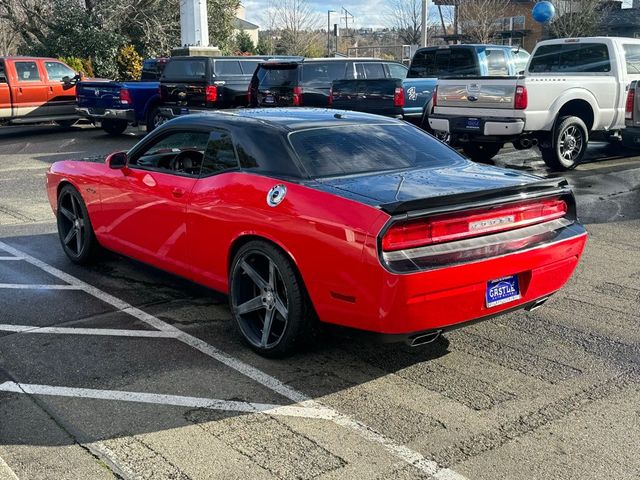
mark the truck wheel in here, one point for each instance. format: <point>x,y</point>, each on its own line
<point>481,152</point>
<point>154,119</point>
<point>570,139</point>
<point>114,127</point>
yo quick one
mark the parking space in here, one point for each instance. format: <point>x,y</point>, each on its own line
<point>121,371</point>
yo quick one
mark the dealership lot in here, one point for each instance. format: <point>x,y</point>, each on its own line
<point>119,370</point>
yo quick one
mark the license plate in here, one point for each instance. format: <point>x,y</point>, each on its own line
<point>503,290</point>
<point>184,111</point>
<point>473,123</point>
<point>269,99</point>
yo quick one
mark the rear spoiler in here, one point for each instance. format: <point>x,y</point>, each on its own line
<point>460,201</point>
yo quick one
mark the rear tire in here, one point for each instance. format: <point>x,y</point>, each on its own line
<point>568,146</point>
<point>154,119</point>
<point>114,127</point>
<point>481,152</point>
<point>74,227</point>
<point>265,290</point>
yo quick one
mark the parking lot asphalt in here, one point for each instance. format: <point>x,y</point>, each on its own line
<point>121,371</point>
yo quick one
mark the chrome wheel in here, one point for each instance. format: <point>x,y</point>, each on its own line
<point>259,299</point>
<point>570,143</point>
<point>72,223</point>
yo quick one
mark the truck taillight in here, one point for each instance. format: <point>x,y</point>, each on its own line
<point>211,93</point>
<point>125,97</point>
<point>297,96</point>
<point>398,97</point>
<point>471,223</point>
<point>631,98</point>
<point>521,98</point>
<point>434,96</point>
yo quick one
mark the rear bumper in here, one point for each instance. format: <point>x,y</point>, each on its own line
<point>107,114</point>
<point>487,127</point>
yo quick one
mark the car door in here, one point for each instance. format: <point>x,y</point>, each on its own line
<point>143,212</point>
<point>30,92</point>
<point>5,94</point>
<point>61,96</point>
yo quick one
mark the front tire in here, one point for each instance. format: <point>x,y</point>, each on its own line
<point>268,301</point>
<point>481,152</point>
<point>74,227</point>
<point>114,127</point>
<point>568,146</point>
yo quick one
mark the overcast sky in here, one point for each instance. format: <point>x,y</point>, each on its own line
<point>367,13</point>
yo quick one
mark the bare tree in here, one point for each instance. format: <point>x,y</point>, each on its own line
<point>577,18</point>
<point>480,20</point>
<point>405,17</point>
<point>296,22</point>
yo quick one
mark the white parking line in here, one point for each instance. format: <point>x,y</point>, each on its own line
<point>111,332</point>
<point>400,451</point>
<point>30,286</point>
<point>5,471</point>
<point>167,400</point>
<point>8,259</point>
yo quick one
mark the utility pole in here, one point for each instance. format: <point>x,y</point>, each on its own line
<point>347,17</point>
<point>329,12</point>
<point>425,18</point>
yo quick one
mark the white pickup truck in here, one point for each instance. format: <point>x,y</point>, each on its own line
<point>571,89</point>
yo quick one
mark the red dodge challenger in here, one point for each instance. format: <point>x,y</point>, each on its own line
<point>353,219</point>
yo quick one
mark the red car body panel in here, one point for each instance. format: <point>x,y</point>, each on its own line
<point>190,226</point>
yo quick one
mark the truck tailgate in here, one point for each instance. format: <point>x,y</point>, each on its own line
<point>476,92</point>
<point>371,95</point>
<point>98,95</point>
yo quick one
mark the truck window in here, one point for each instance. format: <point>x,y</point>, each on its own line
<point>188,69</point>
<point>396,70</point>
<point>3,76</point>
<point>443,63</point>
<point>249,66</point>
<point>227,67</point>
<point>57,71</point>
<point>571,58</point>
<point>520,59</point>
<point>496,62</point>
<point>321,74</point>
<point>27,71</point>
<point>632,57</point>
<point>370,70</point>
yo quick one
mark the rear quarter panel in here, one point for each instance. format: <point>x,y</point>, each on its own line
<point>417,94</point>
<point>85,176</point>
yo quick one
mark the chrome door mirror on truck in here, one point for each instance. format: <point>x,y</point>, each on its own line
<point>117,160</point>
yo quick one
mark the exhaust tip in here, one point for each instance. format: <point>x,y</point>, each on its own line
<point>424,338</point>
<point>537,304</point>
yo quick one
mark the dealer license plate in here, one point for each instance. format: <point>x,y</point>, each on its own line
<point>503,290</point>
<point>269,99</point>
<point>473,123</point>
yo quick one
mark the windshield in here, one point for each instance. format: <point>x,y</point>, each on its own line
<point>351,149</point>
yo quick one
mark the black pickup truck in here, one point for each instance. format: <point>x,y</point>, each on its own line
<point>194,84</point>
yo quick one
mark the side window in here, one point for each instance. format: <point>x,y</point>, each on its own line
<point>373,70</point>
<point>220,155</point>
<point>520,59</point>
<point>27,72</point>
<point>396,70</point>
<point>632,58</point>
<point>496,62</point>
<point>359,71</point>
<point>571,58</point>
<point>57,71</point>
<point>178,152</point>
<point>418,66</point>
<point>3,75</point>
<point>228,67</point>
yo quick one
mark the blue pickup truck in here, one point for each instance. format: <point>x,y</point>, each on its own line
<point>411,98</point>
<point>119,104</point>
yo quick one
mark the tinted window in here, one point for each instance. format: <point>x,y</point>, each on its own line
<point>373,70</point>
<point>632,57</point>
<point>227,67</point>
<point>277,76</point>
<point>321,74</point>
<point>185,69</point>
<point>444,62</point>
<point>353,149</point>
<point>3,76</point>
<point>179,152</point>
<point>396,70</point>
<point>571,57</point>
<point>249,66</point>
<point>57,70</point>
<point>27,71</point>
<point>220,154</point>
<point>496,62</point>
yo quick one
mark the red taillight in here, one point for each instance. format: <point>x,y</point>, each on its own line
<point>434,97</point>
<point>125,97</point>
<point>521,99</point>
<point>297,96</point>
<point>211,93</point>
<point>471,223</point>
<point>631,98</point>
<point>398,97</point>
<point>331,97</point>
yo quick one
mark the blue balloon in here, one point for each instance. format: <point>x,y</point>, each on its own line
<point>543,12</point>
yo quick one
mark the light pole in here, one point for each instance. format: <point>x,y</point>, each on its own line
<point>425,19</point>
<point>329,12</point>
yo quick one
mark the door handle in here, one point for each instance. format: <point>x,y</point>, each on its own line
<point>178,192</point>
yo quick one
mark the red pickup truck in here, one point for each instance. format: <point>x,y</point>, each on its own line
<point>36,90</point>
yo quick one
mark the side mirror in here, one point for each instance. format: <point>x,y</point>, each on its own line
<point>66,79</point>
<point>117,160</point>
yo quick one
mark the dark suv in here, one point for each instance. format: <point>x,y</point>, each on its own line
<point>307,82</point>
<point>193,84</point>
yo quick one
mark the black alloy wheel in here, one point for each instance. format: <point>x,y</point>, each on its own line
<point>267,300</point>
<point>74,227</point>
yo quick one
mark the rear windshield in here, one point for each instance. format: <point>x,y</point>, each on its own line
<point>321,74</point>
<point>571,58</point>
<point>277,76</point>
<point>351,149</point>
<point>185,69</point>
<point>445,62</point>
